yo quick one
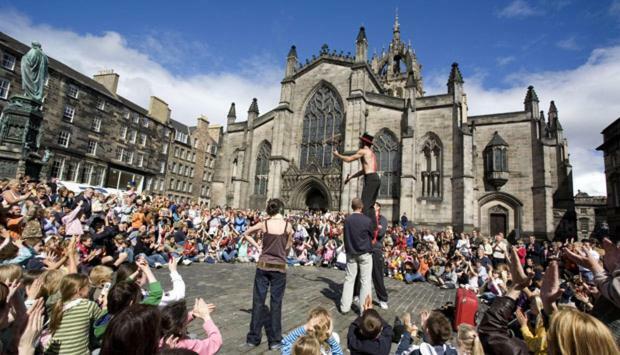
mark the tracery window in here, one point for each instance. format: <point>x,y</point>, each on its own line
<point>431,168</point>
<point>323,123</point>
<point>387,150</point>
<point>262,169</point>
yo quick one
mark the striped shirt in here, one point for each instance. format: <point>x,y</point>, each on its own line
<point>72,337</point>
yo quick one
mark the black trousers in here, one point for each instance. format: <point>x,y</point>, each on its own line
<point>377,277</point>
<point>269,317</point>
<point>370,191</point>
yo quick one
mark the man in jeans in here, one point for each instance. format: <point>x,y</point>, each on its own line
<point>357,244</point>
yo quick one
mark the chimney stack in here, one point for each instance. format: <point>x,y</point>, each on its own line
<point>108,78</point>
<point>159,110</point>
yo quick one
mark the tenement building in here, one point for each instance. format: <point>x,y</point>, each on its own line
<point>204,138</point>
<point>611,150</point>
<point>505,172</point>
<point>590,214</point>
<point>92,135</point>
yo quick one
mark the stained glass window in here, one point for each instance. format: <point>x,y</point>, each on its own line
<point>387,149</point>
<point>262,169</point>
<point>323,124</point>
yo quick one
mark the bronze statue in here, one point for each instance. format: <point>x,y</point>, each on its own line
<point>34,72</point>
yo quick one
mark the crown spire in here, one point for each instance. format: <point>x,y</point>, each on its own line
<point>232,112</point>
<point>254,106</point>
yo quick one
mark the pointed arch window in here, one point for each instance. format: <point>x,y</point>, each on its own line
<point>387,150</point>
<point>262,169</point>
<point>322,126</point>
<point>431,167</point>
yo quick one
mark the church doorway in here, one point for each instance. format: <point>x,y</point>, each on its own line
<point>498,223</point>
<point>316,200</point>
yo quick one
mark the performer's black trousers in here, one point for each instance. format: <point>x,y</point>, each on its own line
<point>372,183</point>
<point>377,277</point>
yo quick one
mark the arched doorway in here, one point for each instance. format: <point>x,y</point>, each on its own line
<point>316,199</point>
<point>311,194</point>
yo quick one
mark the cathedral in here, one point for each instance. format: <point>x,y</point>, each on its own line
<point>504,172</point>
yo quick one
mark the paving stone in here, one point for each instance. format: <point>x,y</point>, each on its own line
<point>229,287</point>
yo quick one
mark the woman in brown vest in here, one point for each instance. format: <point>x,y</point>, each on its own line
<point>270,273</point>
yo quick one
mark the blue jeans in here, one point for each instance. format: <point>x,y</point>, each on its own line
<point>229,256</point>
<point>269,317</point>
<point>409,278</point>
<point>153,258</point>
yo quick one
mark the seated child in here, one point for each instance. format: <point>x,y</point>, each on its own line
<point>437,331</point>
<point>369,333</point>
<point>319,326</point>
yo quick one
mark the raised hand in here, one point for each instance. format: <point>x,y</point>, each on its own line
<point>172,264</point>
<point>550,290</point>
<point>202,309</point>
<point>171,341</point>
<point>367,303</point>
<point>33,328</point>
<point>519,278</point>
<point>583,258</point>
<point>33,290</point>
<point>521,317</point>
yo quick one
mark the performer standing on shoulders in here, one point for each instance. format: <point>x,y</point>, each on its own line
<point>372,182</point>
<point>270,272</point>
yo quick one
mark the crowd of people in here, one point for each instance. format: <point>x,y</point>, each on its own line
<point>76,277</point>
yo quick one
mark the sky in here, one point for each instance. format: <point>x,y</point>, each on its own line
<point>199,56</point>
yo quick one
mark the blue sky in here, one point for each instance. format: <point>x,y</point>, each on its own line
<point>495,37</point>
<point>201,55</point>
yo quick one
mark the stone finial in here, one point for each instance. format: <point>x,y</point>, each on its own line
<point>361,35</point>
<point>455,75</point>
<point>530,95</point>
<point>254,106</point>
<point>232,112</point>
<point>292,52</point>
<point>552,108</point>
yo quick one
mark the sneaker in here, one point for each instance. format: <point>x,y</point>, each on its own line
<point>275,346</point>
<point>158,265</point>
<point>186,262</point>
<point>356,300</point>
<point>383,305</point>
<point>247,346</point>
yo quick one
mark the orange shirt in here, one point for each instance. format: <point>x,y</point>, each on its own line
<point>15,227</point>
<point>137,220</point>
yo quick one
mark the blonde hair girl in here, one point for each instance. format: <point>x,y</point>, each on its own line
<point>319,326</point>
<point>593,337</point>
<point>467,341</point>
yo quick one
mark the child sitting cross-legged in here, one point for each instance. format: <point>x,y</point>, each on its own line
<point>436,333</point>
<point>319,326</point>
<point>369,333</point>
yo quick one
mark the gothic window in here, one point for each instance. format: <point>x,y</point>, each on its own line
<point>431,167</point>
<point>386,148</point>
<point>323,123</point>
<point>262,169</point>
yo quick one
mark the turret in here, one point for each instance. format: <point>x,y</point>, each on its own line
<point>361,47</point>
<point>291,62</point>
<point>252,112</point>
<point>455,81</point>
<point>232,114</point>
<point>531,102</point>
<point>396,30</point>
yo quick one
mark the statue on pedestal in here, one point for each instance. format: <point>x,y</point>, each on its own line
<point>34,72</point>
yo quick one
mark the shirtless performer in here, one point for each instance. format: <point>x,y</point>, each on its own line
<point>372,182</point>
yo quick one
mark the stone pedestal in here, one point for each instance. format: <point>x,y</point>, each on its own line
<point>20,125</point>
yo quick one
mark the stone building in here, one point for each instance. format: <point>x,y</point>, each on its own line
<point>205,142</point>
<point>590,211</point>
<point>94,135</point>
<point>505,172</point>
<point>611,150</point>
<point>181,171</point>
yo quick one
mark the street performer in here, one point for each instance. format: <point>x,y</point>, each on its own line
<point>372,182</point>
<point>270,273</point>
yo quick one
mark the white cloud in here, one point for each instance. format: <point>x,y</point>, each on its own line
<point>142,75</point>
<point>502,61</point>
<point>569,43</point>
<point>586,98</point>
<point>518,9</point>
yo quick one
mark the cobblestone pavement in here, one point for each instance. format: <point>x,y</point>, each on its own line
<point>229,287</point>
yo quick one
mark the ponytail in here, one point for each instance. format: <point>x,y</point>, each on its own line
<point>70,285</point>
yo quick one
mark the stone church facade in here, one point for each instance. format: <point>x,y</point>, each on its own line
<point>504,172</point>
